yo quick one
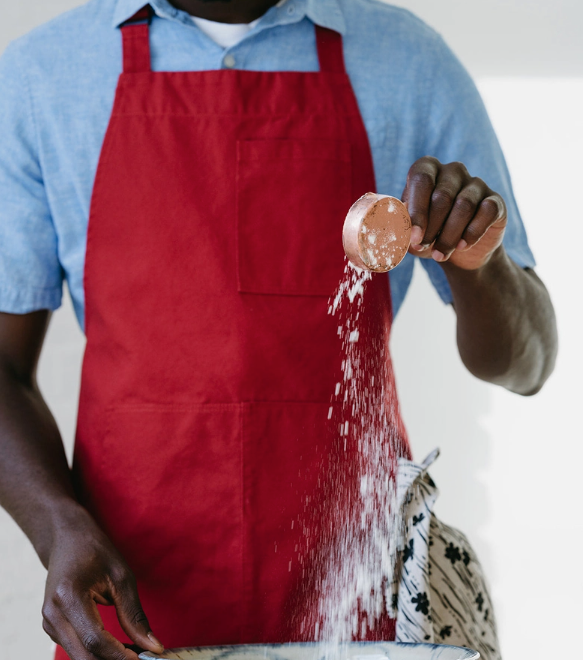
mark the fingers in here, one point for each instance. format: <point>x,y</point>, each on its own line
<point>74,623</point>
<point>131,615</point>
<point>448,191</point>
<point>63,633</point>
<point>450,210</point>
<point>86,570</point>
<point>492,210</point>
<point>417,195</point>
<point>462,212</point>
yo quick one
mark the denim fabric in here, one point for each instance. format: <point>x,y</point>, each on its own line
<point>57,86</point>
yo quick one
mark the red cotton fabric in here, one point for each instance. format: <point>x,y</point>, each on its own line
<point>214,244</point>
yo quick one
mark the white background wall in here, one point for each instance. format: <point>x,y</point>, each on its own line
<point>510,467</point>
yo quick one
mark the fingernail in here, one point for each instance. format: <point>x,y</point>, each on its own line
<point>416,236</point>
<point>462,245</point>
<point>155,641</point>
<point>438,256</point>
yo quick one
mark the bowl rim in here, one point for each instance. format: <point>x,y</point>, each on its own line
<point>150,655</point>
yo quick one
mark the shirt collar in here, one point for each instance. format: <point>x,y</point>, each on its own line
<point>326,13</point>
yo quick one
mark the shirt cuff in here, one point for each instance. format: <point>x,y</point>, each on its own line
<point>25,300</point>
<point>523,257</point>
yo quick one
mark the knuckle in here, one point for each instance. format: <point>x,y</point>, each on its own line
<point>92,642</point>
<point>48,613</point>
<point>422,178</point>
<point>121,575</point>
<point>137,616</point>
<point>119,655</point>
<point>491,206</point>
<point>48,628</point>
<point>473,233</point>
<point>63,595</point>
<point>442,199</point>
<point>458,166</point>
<point>465,205</point>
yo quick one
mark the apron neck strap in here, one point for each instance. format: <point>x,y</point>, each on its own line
<point>136,41</point>
<point>330,51</point>
<point>136,45</point>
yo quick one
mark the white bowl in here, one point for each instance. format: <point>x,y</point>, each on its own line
<point>313,651</point>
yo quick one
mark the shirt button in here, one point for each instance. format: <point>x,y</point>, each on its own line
<point>229,61</point>
<point>291,9</point>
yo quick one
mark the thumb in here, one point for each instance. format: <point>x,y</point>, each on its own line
<point>132,618</point>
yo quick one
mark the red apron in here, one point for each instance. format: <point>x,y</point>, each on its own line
<point>214,243</point>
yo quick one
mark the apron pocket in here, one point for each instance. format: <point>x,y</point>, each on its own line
<point>292,198</point>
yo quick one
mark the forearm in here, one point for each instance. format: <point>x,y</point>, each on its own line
<point>506,328</point>
<point>35,482</point>
<point>83,565</point>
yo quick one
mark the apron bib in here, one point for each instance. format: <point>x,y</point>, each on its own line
<point>214,244</point>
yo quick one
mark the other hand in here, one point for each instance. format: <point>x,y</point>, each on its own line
<point>85,569</point>
<point>456,218</point>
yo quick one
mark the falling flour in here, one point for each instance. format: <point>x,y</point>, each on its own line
<point>356,582</point>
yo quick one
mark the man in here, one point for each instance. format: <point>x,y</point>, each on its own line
<point>196,213</point>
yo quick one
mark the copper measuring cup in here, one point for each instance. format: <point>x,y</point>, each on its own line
<point>377,232</point>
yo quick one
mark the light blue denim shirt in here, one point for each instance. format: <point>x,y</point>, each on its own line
<point>57,86</point>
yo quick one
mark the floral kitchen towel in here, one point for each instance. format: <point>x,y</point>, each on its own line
<point>440,593</point>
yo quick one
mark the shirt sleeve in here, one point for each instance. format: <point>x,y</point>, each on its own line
<point>458,129</point>
<point>31,276</point>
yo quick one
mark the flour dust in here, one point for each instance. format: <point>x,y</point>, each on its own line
<point>356,584</point>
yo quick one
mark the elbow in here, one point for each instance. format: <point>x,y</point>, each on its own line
<point>546,366</point>
<point>518,349</point>
<point>547,340</point>
<point>544,343</point>
<point>525,371</point>
<point>530,371</point>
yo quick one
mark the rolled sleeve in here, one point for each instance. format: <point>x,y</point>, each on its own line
<point>31,276</point>
<point>458,129</point>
